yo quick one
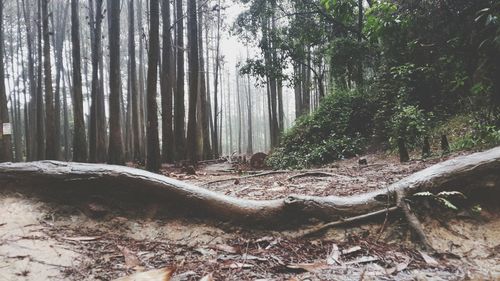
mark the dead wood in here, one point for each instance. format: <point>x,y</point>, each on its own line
<point>476,172</point>
<point>262,174</point>
<point>324,227</point>
<point>311,174</point>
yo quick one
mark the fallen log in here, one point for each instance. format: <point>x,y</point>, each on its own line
<point>478,171</point>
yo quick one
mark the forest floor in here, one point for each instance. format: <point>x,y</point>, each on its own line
<point>42,239</point>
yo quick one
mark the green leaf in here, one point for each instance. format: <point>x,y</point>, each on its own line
<point>450,194</point>
<point>447,203</point>
<point>424,194</point>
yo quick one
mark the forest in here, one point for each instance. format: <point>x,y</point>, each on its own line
<point>249,139</point>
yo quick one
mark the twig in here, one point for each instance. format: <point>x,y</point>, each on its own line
<point>249,176</point>
<point>311,174</point>
<point>324,227</point>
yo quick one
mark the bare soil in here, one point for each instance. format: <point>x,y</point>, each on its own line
<point>43,239</point>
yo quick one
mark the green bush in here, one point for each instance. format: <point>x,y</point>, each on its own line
<point>336,130</point>
<point>409,123</point>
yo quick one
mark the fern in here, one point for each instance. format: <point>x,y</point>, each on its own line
<point>441,197</point>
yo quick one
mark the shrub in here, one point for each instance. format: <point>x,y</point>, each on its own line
<point>336,130</point>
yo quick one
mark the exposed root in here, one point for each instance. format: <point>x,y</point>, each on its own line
<point>414,222</point>
<point>469,174</point>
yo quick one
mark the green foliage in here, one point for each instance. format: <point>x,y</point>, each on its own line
<point>443,198</point>
<point>481,136</point>
<point>334,131</point>
<point>409,123</point>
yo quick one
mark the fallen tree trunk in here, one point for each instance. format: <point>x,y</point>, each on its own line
<point>467,173</point>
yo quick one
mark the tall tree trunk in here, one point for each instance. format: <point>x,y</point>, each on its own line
<point>79,136</point>
<point>142,114</point>
<point>97,128</point>
<point>153,143</point>
<point>193,79</point>
<point>238,97</point>
<point>133,85</point>
<point>215,135</point>
<point>167,86</point>
<point>50,139</point>
<point>204,104</point>
<point>115,137</point>
<point>208,98</point>
<point>179,110</point>
<point>249,116</point>
<point>5,141</point>
<point>59,23</point>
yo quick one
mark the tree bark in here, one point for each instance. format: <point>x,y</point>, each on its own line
<point>115,137</point>
<point>80,153</point>
<point>153,142</point>
<point>167,86</point>
<point>469,174</point>
<point>179,109</point>
<point>5,140</point>
<point>50,136</point>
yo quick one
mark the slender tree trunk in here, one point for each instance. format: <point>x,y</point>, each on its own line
<point>249,116</point>
<point>153,143</point>
<point>209,99</point>
<point>179,110</point>
<point>50,140</point>
<point>204,104</point>
<point>115,137</point>
<point>238,97</point>
<point>5,141</point>
<point>142,114</point>
<point>215,135</point>
<point>193,80</point>
<point>167,86</point>
<point>97,128</point>
<point>79,137</point>
<point>136,140</point>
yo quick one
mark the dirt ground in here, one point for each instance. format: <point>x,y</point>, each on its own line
<point>41,239</point>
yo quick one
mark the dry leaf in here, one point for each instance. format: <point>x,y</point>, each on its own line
<point>351,250</point>
<point>82,238</point>
<point>163,274</point>
<point>428,259</point>
<point>131,260</point>
<point>226,248</point>
<point>333,256</point>
<point>239,265</point>
<point>208,277</point>
<point>311,267</point>
<point>363,259</point>
<point>251,257</point>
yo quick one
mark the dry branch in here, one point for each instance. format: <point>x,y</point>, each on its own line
<point>311,174</point>
<point>262,174</point>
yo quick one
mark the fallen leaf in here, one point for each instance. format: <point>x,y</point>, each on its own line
<point>251,257</point>
<point>82,238</point>
<point>351,250</point>
<point>208,277</point>
<point>205,251</point>
<point>363,259</point>
<point>428,259</point>
<point>311,267</point>
<point>131,260</point>
<point>333,256</point>
<point>239,265</point>
<point>163,274</point>
<point>226,248</point>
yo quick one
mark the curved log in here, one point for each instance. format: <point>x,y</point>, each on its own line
<point>465,173</point>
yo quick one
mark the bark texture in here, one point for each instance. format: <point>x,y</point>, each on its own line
<point>468,174</point>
